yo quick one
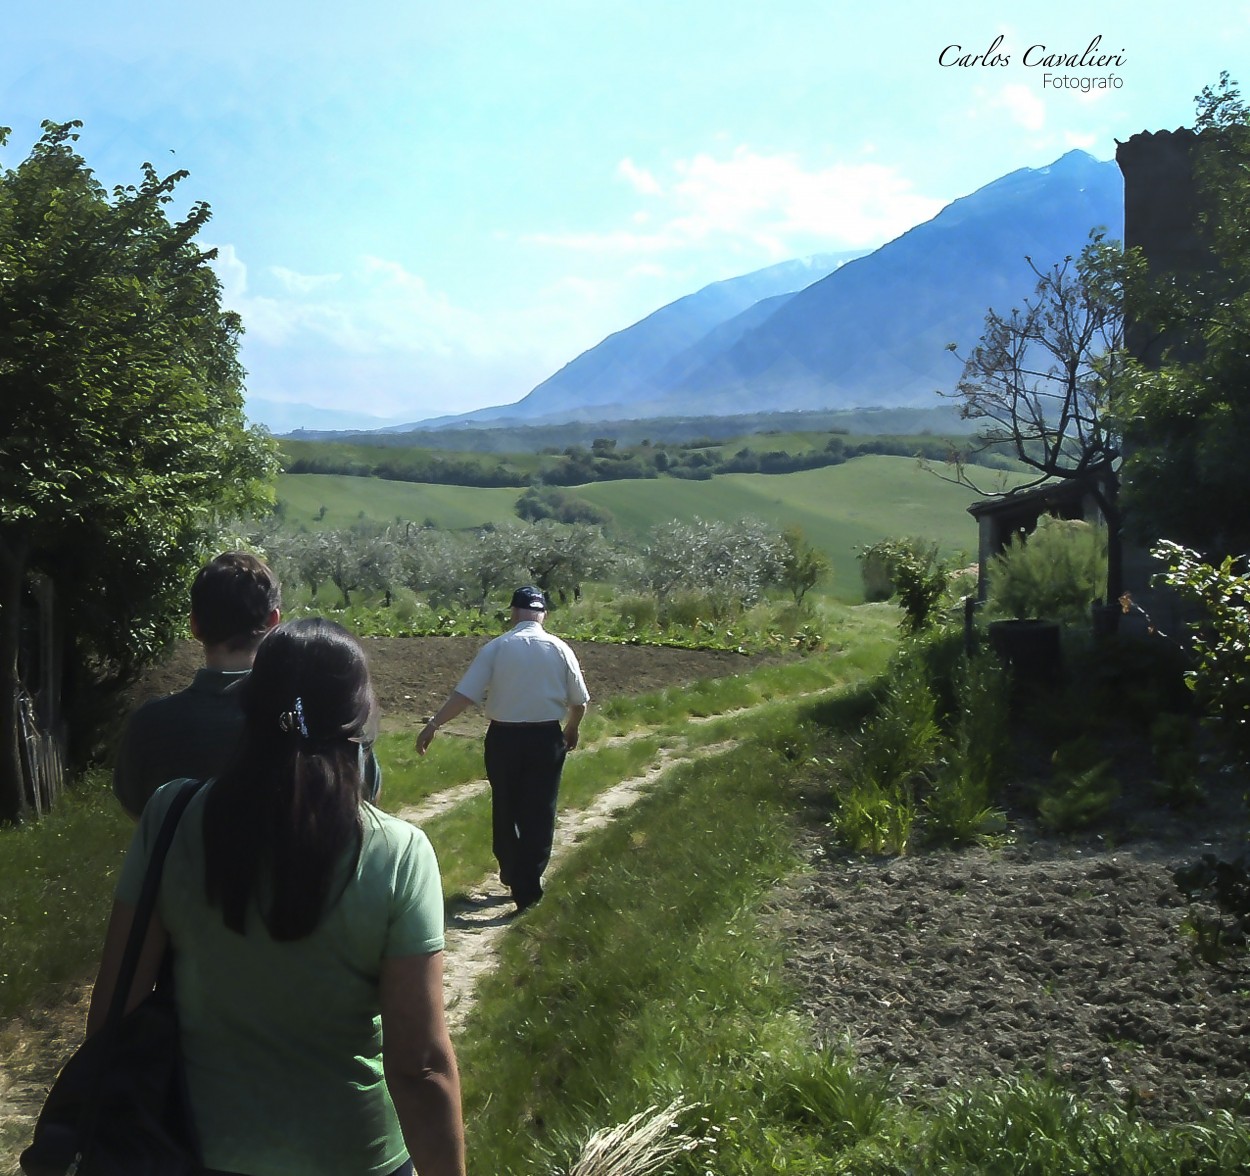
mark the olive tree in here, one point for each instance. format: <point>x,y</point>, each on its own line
<point>123,444</point>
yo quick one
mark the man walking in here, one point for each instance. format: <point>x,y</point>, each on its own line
<point>235,600</point>
<point>529,683</point>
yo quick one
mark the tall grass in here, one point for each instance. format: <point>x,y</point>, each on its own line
<point>653,974</point>
<point>56,890</point>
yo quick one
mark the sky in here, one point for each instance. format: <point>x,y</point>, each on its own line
<point>424,208</point>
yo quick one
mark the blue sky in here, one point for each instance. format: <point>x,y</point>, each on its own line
<point>425,208</point>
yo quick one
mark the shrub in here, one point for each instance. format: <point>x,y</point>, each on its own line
<point>638,612</point>
<point>874,570</point>
<point>895,751</point>
<point>915,574</point>
<point>687,609</point>
<point>1220,682</point>
<point>1175,752</point>
<point>1055,573</point>
<point>1082,790</point>
<point>961,807</point>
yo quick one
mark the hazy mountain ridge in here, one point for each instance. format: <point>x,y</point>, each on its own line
<point>828,333</point>
<point>872,332</point>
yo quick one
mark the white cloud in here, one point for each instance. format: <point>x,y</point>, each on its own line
<point>1024,106</point>
<point>378,339</point>
<point>295,283</point>
<point>765,204</point>
<point>1086,142</point>
<point>639,177</point>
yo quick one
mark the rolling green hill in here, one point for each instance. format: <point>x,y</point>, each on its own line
<point>840,508</point>
<point>348,499</point>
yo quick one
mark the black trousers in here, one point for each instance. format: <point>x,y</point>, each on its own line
<point>523,765</point>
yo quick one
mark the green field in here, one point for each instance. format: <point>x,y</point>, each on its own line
<point>840,508</point>
<point>349,499</point>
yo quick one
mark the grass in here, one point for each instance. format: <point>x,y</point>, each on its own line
<point>56,876</point>
<point>652,976</point>
<point>840,508</point>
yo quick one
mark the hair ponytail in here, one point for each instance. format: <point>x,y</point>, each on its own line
<point>282,824</point>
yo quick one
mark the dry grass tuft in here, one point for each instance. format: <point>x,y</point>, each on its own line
<point>640,1146</point>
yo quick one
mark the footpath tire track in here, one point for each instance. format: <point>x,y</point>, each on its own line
<point>475,928</point>
<point>34,1046</point>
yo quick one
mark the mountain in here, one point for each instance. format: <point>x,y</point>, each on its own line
<point>281,417</point>
<point>624,364</point>
<point>867,331</point>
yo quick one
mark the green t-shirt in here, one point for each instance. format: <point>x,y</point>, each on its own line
<point>283,1041</point>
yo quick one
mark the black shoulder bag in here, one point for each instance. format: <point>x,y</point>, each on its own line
<point>119,1106</point>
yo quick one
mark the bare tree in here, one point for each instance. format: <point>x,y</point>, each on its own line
<point>1041,377</point>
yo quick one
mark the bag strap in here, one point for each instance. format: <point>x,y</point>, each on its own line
<point>147,901</point>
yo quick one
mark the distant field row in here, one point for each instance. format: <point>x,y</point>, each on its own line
<point>840,508</point>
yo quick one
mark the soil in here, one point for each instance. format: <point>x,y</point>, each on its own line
<point>1058,957</point>
<point>412,675</point>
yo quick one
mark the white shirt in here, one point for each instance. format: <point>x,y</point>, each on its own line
<point>525,676</point>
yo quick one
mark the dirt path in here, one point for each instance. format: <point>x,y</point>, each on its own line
<point>474,931</point>
<point>475,928</point>
<point>411,677</point>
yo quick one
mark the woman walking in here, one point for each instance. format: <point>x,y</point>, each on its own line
<point>306,929</point>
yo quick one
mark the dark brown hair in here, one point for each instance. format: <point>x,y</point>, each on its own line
<point>232,599</point>
<point>283,822</point>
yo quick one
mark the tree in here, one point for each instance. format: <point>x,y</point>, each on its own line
<point>561,557</point>
<point>1041,377</point>
<point>361,557</point>
<point>732,562</point>
<point>1188,418</point>
<point>122,438</point>
<point>802,565</point>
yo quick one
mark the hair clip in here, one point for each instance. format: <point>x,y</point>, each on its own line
<point>293,720</point>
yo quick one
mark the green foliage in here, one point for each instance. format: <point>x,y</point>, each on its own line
<point>55,875</point>
<point>961,803</point>
<point>550,502</point>
<point>915,574</point>
<point>1175,751</point>
<point>1226,885</point>
<point>1187,417</point>
<point>893,755</point>
<point>1053,574</point>
<point>1082,788</point>
<point>841,509</point>
<point>802,565</point>
<point>1221,643</point>
<point>121,413</point>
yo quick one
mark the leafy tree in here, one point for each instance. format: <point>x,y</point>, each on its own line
<point>1188,419</point>
<point>551,502</point>
<point>913,570</point>
<point>561,558</point>
<point>802,565</point>
<point>733,562</point>
<point>361,557</point>
<point>121,422</point>
<point>1040,379</point>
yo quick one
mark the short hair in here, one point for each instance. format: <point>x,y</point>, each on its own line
<point>232,599</point>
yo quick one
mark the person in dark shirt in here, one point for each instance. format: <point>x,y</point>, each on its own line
<point>235,600</point>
